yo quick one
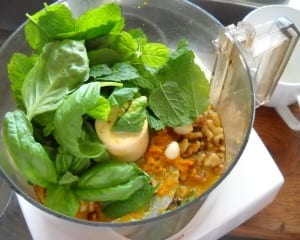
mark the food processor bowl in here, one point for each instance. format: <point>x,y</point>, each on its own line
<point>167,21</point>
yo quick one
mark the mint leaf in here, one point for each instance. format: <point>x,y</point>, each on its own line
<point>155,54</point>
<point>182,69</point>
<point>100,21</point>
<point>120,96</point>
<point>101,110</point>
<point>18,67</point>
<point>100,70</point>
<point>134,118</point>
<point>121,72</point>
<point>139,35</point>
<point>155,123</point>
<point>169,104</point>
<point>44,25</point>
<point>124,44</point>
<point>62,67</point>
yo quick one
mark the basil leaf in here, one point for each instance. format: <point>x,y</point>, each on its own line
<point>141,198</point>
<point>107,174</point>
<point>115,193</point>
<point>169,105</point>
<point>68,178</point>
<point>63,162</point>
<point>44,25</point>
<point>79,165</point>
<point>61,68</point>
<point>62,199</point>
<point>66,162</point>
<point>134,118</point>
<point>68,122</point>
<point>29,156</point>
<point>18,67</point>
<point>120,96</point>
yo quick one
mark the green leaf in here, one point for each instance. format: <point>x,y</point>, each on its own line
<point>62,199</point>
<point>115,193</point>
<point>125,44</point>
<point>107,174</point>
<point>79,165</point>
<point>134,118</point>
<point>155,54</point>
<point>101,110</point>
<point>121,72</point>
<point>61,68</point>
<point>99,21</point>
<point>120,96</point>
<point>135,202</point>
<point>103,56</point>
<point>100,70</point>
<point>63,162</point>
<point>29,156</point>
<point>68,178</point>
<point>44,25</point>
<point>139,35</point>
<point>45,120</point>
<point>68,121</point>
<point>18,67</point>
<point>155,123</point>
<point>182,69</point>
<point>66,162</point>
<point>169,105</point>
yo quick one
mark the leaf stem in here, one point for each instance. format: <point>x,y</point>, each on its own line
<point>111,84</point>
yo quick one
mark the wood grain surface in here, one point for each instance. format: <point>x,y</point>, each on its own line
<point>281,219</point>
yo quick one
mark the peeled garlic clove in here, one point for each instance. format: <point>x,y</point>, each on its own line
<point>182,130</point>
<point>172,151</point>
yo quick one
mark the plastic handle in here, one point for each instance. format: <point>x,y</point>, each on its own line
<point>266,49</point>
<point>288,116</point>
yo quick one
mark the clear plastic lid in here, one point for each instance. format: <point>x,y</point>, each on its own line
<point>266,48</point>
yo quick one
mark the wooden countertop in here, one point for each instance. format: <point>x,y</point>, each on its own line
<point>281,219</point>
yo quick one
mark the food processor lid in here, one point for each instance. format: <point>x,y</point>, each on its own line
<point>5,194</point>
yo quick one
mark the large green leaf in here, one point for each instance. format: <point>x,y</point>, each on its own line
<point>68,122</point>
<point>61,68</point>
<point>62,199</point>
<point>18,67</point>
<point>29,156</point>
<point>169,105</point>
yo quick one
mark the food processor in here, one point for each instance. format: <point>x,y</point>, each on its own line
<point>236,59</point>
